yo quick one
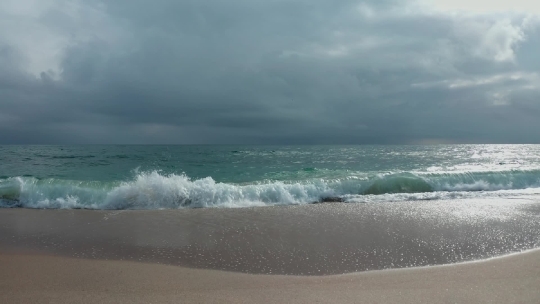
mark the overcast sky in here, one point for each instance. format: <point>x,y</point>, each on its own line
<point>272,71</point>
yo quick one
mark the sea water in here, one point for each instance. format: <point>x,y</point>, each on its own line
<point>171,177</point>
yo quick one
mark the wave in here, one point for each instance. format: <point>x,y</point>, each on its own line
<point>399,183</point>
<point>153,190</point>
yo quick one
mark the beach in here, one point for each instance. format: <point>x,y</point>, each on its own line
<point>30,278</point>
<point>269,151</point>
<point>407,252</point>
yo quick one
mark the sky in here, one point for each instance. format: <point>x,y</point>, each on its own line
<point>269,72</point>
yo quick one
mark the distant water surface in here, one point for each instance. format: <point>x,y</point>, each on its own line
<point>165,177</point>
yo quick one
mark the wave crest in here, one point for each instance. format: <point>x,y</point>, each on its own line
<point>152,190</point>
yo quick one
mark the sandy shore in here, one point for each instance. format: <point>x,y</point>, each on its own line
<point>51,279</point>
<point>226,255</point>
<point>323,239</point>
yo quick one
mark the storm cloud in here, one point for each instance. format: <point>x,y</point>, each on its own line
<point>276,72</point>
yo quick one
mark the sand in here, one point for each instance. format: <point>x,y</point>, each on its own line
<point>294,254</point>
<point>27,278</point>
<point>323,239</point>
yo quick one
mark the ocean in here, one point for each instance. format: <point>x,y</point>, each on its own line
<point>121,177</point>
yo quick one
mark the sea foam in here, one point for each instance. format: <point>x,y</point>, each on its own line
<point>154,190</point>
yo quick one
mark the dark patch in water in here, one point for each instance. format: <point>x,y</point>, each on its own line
<point>72,156</point>
<point>118,156</point>
<point>10,203</point>
<point>330,199</point>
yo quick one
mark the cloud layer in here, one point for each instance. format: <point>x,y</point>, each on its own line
<point>292,71</point>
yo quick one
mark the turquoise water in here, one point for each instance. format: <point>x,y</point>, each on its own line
<point>154,177</point>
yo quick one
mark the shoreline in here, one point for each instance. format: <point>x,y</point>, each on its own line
<point>36,278</point>
<point>326,239</point>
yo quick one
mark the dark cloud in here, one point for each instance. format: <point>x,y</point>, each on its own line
<point>266,72</point>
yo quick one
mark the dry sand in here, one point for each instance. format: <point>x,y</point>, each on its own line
<point>31,278</point>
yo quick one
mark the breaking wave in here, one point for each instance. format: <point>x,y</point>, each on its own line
<point>153,190</point>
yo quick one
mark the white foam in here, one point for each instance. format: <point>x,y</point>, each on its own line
<point>152,190</point>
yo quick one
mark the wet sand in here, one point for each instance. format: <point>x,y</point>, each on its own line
<point>323,239</point>
<point>313,252</point>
